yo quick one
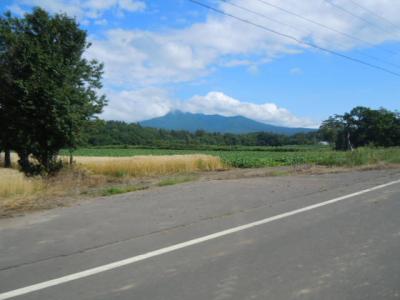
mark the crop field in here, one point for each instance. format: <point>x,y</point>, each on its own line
<point>145,165</point>
<point>265,157</point>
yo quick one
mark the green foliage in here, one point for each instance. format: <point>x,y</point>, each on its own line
<point>105,133</point>
<point>115,190</point>
<point>362,127</point>
<point>248,157</point>
<point>330,129</point>
<point>47,89</point>
<point>176,180</point>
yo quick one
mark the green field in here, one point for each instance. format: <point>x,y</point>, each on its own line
<point>267,156</point>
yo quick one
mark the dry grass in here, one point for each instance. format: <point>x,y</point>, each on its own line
<point>91,177</point>
<point>140,166</point>
<point>14,183</point>
<point>72,182</point>
<point>20,194</point>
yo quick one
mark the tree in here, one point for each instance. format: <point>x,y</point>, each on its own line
<point>48,89</point>
<point>330,129</point>
<point>363,126</point>
<point>5,136</point>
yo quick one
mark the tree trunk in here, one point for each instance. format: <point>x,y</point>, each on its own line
<point>71,159</point>
<point>7,158</point>
<point>349,145</point>
<point>46,161</point>
<point>24,162</point>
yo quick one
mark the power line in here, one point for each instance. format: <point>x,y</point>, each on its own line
<point>302,31</point>
<point>294,38</point>
<point>375,14</point>
<point>323,25</point>
<point>337,6</point>
<point>262,15</point>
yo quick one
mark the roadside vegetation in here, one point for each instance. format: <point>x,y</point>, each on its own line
<point>92,177</point>
<point>15,184</point>
<point>177,179</point>
<point>115,190</point>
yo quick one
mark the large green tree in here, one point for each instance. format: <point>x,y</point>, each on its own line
<point>331,128</point>
<point>48,89</point>
<point>363,126</point>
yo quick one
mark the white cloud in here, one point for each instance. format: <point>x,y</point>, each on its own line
<point>139,58</point>
<point>83,10</point>
<point>131,5</point>
<point>237,63</point>
<point>16,9</point>
<point>101,22</point>
<point>134,106</point>
<point>219,103</point>
<point>138,105</point>
<point>295,71</point>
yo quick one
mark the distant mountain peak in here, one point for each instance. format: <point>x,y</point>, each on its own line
<point>178,120</point>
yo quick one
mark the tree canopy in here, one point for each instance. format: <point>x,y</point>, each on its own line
<point>362,126</point>
<point>48,89</point>
<point>107,133</point>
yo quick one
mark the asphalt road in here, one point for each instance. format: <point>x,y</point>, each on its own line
<point>344,249</point>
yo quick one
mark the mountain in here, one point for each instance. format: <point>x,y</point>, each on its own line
<point>215,123</point>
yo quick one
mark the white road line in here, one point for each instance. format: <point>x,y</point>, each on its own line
<point>134,259</point>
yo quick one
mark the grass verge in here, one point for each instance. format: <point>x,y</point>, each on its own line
<point>14,183</point>
<point>176,180</point>
<point>115,190</point>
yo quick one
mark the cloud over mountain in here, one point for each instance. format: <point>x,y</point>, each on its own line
<point>145,104</point>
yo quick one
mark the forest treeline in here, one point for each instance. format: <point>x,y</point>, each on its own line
<point>107,133</point>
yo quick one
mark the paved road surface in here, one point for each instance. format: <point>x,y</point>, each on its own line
<point>349,249</point>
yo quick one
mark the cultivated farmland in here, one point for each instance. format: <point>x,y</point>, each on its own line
<point>140,166</point>
<point>265,156</point>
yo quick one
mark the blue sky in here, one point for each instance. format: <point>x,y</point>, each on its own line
<point>165,55</point>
